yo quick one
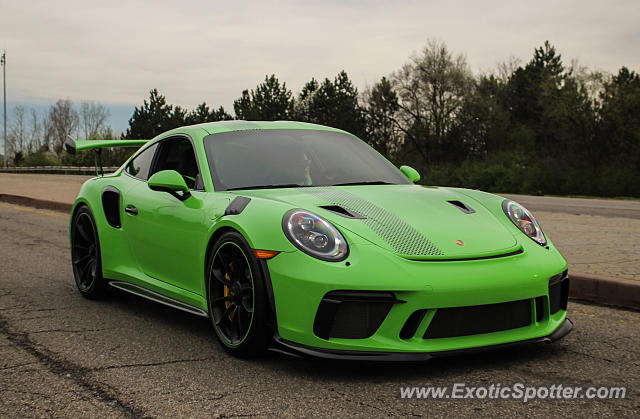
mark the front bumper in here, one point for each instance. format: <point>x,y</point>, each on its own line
<point>295,349</point>
<point>300,283</point>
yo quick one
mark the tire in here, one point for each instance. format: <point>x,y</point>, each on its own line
<point>86,258</point>
<point>236,296</point>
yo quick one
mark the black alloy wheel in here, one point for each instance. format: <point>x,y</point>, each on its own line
<point>85,255</point>
<point>236,296</point>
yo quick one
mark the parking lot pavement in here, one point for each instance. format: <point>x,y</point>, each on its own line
<point>595,244</point>
<point>57,188</point>
<point>63,355</point>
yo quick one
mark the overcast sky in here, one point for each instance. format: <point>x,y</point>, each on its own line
<point>114,52</point>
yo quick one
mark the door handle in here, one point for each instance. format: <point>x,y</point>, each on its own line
<point>130,209</point>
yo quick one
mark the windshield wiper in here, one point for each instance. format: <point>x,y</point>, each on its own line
<point>370,182</point>
<point>284,185</point>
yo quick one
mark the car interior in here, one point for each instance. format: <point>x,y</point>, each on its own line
<point>178,154</point>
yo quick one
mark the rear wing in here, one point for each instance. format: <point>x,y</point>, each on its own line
<point>71,146</point>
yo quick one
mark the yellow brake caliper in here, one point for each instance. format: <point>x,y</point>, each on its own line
<point>227,291</point>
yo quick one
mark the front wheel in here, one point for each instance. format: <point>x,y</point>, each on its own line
<point>85,255</point>
<point>236,296</point>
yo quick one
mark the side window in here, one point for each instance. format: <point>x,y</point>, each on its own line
<point>140,166</point>
<point>178,154</point>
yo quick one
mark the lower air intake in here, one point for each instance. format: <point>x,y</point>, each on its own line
<point>352,314</point>
<point>475,320</point>
<point>558,292</point>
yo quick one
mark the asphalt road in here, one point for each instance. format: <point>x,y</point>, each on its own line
<point>63,355</point>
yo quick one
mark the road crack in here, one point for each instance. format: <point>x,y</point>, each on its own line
<point>64,368</point>
<point>151,364</point>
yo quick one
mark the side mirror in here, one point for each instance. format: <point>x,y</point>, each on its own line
<point>171,182</point>
<point>411,173</point>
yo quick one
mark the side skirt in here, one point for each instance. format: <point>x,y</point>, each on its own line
<point>158,298</point>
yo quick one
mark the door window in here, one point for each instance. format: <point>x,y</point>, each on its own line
<point>177,154</point>
<point>140,166</point>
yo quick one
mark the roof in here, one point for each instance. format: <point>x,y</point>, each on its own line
<point>235,125</point>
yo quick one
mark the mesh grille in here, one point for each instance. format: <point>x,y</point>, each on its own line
<point>402,238</point>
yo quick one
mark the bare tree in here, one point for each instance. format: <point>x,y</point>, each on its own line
<point>62,121</point>
<point>47,133</point>
<point>36,132</point>
<point>18,133</point>
<point>507,68</point>
<point>93,117</point>
<point>431,88</point>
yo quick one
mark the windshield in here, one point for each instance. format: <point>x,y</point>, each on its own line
<point>294,158</point>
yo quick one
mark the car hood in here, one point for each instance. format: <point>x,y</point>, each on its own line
<point>412,221</point>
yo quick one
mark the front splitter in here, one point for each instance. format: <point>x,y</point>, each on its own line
<point>298,350</point>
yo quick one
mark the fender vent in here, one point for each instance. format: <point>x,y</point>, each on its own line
<point>462,207</point>
<point>400,236</point>
<point>111,206</point>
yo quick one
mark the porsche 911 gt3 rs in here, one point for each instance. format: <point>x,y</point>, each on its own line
<point>302,238</point>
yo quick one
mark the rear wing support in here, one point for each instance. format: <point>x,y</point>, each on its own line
<point>71,146</point>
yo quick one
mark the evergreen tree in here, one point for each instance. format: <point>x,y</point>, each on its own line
<point>333,103</point>
<point>154,117</point>
<point>269,101</point>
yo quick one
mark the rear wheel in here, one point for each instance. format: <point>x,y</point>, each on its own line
<point>236,296</point>
<point>85,255</point>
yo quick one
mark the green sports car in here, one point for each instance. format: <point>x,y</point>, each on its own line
<point>302,238</point>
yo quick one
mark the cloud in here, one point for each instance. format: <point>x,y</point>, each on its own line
<point>193,51</point>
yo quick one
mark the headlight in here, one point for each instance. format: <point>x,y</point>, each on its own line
<point>315,236</point>
<point>524,220</point>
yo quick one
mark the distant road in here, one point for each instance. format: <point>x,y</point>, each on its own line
<point>64,188</point>
<point>603,207</point>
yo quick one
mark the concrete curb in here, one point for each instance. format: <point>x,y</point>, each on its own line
<point>595,288</point>
<point>605,290</point>
<point>36,203</point>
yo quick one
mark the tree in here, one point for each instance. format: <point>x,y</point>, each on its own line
<point>270,101</point>
<point>154,117</point>
<point>62,122</point>
<point>381,112</point>
<point>483,121</point>
<point>93,117</point>
<point>619,121</point>
<point>36,132</point>
<point>431,88</point>
<point>203,114</point>
<point>552,103</point>
<point>333,103</point>
<point>17,136</point>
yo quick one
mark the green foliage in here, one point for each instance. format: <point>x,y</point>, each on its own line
<point>40,158</point>
<point>332,103</point>
<point>203,114</point>
<point>538,128</point>
<point>619,128</point>
<point>154,117</point>
<point>381,125</point>
<point>270,101</point>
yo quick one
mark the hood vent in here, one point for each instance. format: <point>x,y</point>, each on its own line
<point>462,207</point>
<point>343,212</point>
<point>400,236</point>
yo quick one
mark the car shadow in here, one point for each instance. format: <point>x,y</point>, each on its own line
<point>496,359</point>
